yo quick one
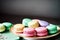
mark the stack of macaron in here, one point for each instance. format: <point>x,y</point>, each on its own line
<point>41,31</point>
<point>35,27</point>
<point>18,28</point>
<point>5,26</point>
<point>29,32</point>
<point>52,29</point>
<point>33,24</point>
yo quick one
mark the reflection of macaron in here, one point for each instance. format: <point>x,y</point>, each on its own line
<point>33,24</point>
<point>8,25</point>
<point>43,23</point>
<point>26,21</point>
<point>52,29</point>
<point>29,32</point>
<point>41,31</point>
<point>2,28</point>
<point>18,28</point>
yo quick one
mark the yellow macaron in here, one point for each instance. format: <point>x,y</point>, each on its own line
<point>33,24</point>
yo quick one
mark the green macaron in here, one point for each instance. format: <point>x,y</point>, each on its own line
<point>8,25</point>
<point>2,28</point>
<point>26,21</point>
<point>52,29</point>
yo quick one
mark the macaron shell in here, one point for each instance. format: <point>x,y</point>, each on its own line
<point>21,26</point>
<point>42,34</point>
<point>53,32</point>
<point>51,28</point>
<point>43,23</point>
<point>41,29</point>
<point>26,21</point>
<point>7,24</point>
<point>29,30</point>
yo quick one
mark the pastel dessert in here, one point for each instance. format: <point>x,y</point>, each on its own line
<point>8,25</point>
<point>43,23</point>
<point>33,24</point>
<point>52,29</point>
<point>2,28</point>
<point>29,32</point>
<point>26,21</point>
<point>18,28</point>
<point>41,31</point>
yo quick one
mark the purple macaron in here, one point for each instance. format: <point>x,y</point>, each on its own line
<point>43,23</point>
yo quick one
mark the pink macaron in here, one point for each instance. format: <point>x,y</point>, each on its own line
<point>30,32</point>
<point>41,31</point>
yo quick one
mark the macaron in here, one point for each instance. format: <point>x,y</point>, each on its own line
<point>52,29</point>
<point>18,28</point>
<point>33,24</point>
<point>2,28</point>
<point>25,21</point>
<point>29,32</point>
<point>43,23</point>
<point>8,25</point>
<point>41,31</point>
